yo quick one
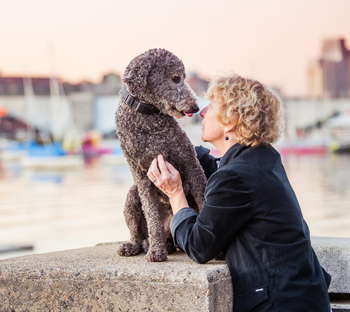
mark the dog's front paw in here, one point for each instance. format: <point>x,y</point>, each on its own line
<point>155,255</point>
<point>129,249</point>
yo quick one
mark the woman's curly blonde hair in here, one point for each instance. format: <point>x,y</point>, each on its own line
<point>257,109</point>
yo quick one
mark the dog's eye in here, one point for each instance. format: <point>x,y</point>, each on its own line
<point>176,79</point>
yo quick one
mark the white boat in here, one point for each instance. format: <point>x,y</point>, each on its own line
<point>12,156</point>
<point>51,156</point>
<point>3,143</point>
<point>53,163</point>
<point>13,152</point>
<point>113,159</point>
<point>340,132</point>
<point>116,158</point>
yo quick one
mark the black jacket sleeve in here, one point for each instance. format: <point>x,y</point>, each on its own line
<point>207,161</point>
<point>228,206</point>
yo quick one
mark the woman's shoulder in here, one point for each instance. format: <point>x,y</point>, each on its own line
<point>252,160</point>
<point>228,172</point>
<point>227,180</point>
<point>234,170</point>
<point>227,188</point>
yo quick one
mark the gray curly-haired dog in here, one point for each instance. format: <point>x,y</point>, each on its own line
<point>154,92</point>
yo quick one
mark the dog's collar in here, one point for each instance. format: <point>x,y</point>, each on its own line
<point>143,108</point>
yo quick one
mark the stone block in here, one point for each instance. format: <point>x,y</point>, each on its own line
<point>97,279</point>
<point>334,256</point>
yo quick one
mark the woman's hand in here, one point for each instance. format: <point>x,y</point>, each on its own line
<point>165,177</point>
<point>168,180</point>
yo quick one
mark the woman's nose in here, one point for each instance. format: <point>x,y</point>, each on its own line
<point>203,112</point>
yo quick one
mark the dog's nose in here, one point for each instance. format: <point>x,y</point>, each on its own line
<point>195,108</point>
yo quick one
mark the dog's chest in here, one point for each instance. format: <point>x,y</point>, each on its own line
<point>148,135</point>
<point>144,147</point>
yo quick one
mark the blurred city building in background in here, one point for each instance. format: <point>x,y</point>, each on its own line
<point>329,76</point>
<point>92,104</point>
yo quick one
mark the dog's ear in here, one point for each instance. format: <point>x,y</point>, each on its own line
<point>136,73</point>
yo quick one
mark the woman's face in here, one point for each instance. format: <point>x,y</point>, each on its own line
<point>213,130</point>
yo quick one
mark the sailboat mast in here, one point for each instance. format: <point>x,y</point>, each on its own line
<point>55,97</point>
<point>55,109</point>
<point>31,107</point>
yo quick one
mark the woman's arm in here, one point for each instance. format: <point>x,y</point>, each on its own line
<point>227,208</point>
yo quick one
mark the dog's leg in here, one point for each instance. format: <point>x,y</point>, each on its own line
<point>151,207</point>
<point>144,230</point>
<point>133,216</point>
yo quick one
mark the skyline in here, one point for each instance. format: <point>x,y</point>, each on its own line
<point>271,41</point>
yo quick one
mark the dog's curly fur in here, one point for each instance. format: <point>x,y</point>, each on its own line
<point>156,77</point>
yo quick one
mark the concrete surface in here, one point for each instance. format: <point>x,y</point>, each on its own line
<point>334,256</point>
<point>97,279</point>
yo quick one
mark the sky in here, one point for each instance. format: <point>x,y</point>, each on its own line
<point>270,40</point>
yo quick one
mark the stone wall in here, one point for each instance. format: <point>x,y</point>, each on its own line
<point>97,279</point>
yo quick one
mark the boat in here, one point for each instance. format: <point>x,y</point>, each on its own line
<point>54,163</point>
<point>302,148</point>
<point>114,158</point>
<point>339,127</point>
<point>314,143</point>
<point>51,155</point>
<point>3,144</point>
<point>92,146</point>
<point>12,150</point>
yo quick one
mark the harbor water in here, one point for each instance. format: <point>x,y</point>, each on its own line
<point>55,211</point>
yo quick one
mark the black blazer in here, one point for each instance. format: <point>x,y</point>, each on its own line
<point>252,214</point>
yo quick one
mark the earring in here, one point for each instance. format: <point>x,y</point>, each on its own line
<point>226,138</point>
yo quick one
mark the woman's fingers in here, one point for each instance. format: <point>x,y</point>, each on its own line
<point>154,168</point>
<point>162,172</point>
<point>165,176</point>
<point>153,171</point>
<point>166,167</point>
<point>171,169</point>
<point>162,166</point>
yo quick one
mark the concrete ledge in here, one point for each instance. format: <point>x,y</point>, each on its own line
<point>334,256</point>
<point>97,279</point>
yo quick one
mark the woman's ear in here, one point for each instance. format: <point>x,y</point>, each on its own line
<point>231,127</point>
<point>136,73</point>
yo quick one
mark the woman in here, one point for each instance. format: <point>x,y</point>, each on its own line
<point>251,213</point>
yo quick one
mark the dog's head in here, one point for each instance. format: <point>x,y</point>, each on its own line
<point>157,77</point>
